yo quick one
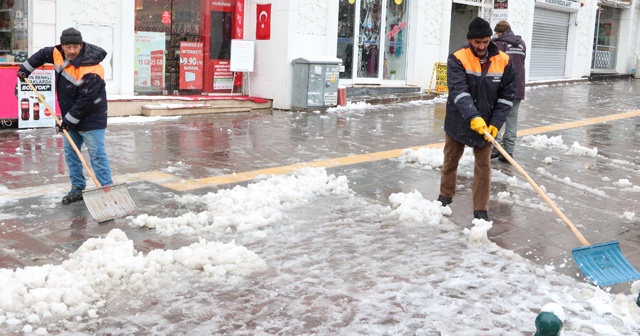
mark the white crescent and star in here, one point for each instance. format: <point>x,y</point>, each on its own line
<point>266,16</point>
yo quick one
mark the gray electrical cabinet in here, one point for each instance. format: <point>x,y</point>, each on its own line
<point>315,81</point>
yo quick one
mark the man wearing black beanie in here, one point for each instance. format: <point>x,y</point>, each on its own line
<point>82,97</point>
<point>482,86</point>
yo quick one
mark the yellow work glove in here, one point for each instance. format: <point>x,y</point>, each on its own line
<point>478,125</point>
<point>493,131</point>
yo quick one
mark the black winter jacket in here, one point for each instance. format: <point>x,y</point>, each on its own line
<point>476,91</point>
<point>80,85</point>
<point>514,46</point>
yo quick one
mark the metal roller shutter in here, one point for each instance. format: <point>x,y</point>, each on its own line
<point>549,44</point>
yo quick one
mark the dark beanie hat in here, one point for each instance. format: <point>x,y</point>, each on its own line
<point>71,36</point>
<point>502,27</point>
<point>479,28</point>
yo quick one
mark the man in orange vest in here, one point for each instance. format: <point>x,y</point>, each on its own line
<point>82,98</point>
<point>482,87</point>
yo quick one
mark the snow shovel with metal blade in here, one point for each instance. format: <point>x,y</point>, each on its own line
<point>104,202</point>
<point>602,264</point>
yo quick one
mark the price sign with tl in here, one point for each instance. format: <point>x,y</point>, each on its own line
<point>191,65</point>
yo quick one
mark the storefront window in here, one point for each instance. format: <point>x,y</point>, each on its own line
<point>372,40</point>
<point>167,32</point>
<point>184,46</point>
<point>347,13</point>
<point>13,30</point>
<point>396,41</point>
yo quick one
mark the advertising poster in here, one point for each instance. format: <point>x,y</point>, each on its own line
<point>32,113</point>
<point>157,68</point>
<point>148,69</point>
<point>191,65</point>
<point>222,75</point>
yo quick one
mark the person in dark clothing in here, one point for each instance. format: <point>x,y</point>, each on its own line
<point>82,98</point>
<point>481,82</point>
<point>514,46</point>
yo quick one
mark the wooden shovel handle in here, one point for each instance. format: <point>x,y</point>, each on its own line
<point>66,134</point>
<point>540,192</point>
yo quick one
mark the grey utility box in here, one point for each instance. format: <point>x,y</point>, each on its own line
<point>315,81</point>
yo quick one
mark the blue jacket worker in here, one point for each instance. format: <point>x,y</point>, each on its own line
<point>82,98</point>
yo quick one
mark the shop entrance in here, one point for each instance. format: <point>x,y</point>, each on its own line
<point>372,37</point>
<point>606,39</point>
<point>461,16</point>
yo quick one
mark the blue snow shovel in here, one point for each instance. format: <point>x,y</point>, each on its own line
<point>602,264</point>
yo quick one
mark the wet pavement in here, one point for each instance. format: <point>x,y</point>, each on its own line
<point>199,154</point>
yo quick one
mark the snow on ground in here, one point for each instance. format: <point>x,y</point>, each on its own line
<point>306,256</point>
<point>302,254</point>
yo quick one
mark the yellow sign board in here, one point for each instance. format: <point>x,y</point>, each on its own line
<point>440,73</point>
<point>441,77</point>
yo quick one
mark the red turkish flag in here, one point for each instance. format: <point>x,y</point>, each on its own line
<point>263,22</point>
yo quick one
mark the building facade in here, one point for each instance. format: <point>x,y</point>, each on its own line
<point>183,47</point>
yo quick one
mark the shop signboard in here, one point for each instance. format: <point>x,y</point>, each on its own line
<point>191,65</point>
<point>222,5</point>
<point>563,5</point>
<point>148,69</point>
<point>31,112</point>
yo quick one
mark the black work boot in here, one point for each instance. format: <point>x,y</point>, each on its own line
<point>444,200</point>
<point>479,214</point>
<point>73,196</point>
<point>495,153</point>
<point>501,158</point>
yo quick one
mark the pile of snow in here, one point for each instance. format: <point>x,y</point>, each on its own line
<point>428,158</point>
<point>351,106</point>
<point>247,209</point>
<point>543,142</point>
<point>82,285</point>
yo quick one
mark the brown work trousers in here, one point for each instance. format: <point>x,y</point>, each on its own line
<point>453,151</point>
